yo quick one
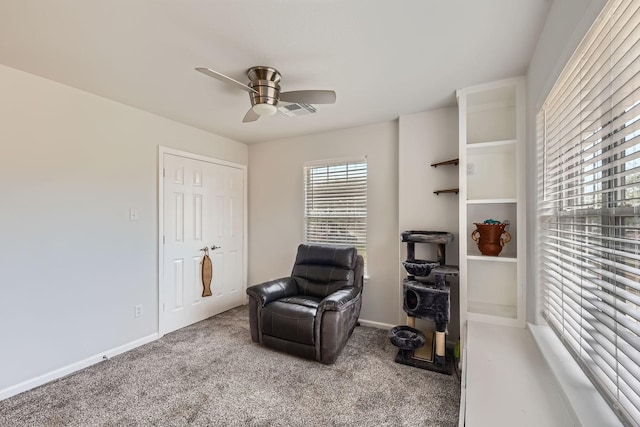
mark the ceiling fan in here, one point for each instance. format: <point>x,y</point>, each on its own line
<point>264,91</point>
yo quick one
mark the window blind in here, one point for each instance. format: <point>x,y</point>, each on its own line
<point>335,203</point>
<point>589,204</point>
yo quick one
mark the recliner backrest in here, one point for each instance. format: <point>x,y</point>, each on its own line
<point>320,270</point>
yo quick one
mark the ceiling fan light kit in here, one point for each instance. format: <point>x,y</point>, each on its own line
<point>264,91</point>
<point>264,109</point>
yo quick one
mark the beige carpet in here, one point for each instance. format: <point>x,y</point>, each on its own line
<point>211,374</point>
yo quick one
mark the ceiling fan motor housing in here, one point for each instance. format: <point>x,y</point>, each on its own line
<point>265,81</point>
<point>266,92</point>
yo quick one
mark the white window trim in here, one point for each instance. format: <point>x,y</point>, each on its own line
<point>339,160</point>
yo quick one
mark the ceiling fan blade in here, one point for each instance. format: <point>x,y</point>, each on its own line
<point>219,76</point>
<point>309,96</point>
<point>251,116</point>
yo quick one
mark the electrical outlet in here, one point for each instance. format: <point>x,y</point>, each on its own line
<point>470,169</point>
<point>137,310</point>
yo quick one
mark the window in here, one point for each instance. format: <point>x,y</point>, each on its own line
<point>335,203</point>
<point>589,206</point>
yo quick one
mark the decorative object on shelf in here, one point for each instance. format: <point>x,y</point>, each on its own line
<point>491,236</point>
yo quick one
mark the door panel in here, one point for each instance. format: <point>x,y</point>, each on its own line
<point>178,212</point>
<point>203,207</point>
<point>197,280</point>
<point>178,283</point>
<point>218,269</point>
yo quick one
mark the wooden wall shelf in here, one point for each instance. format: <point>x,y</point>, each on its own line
<point>448,162</point>
<point>452,162</point>
<point>451,190</point>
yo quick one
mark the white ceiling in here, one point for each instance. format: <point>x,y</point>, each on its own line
<point>384,58</point>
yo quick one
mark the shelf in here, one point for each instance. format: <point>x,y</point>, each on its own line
<point>451,190</point>
<point>452,162</point>
<point>491,171</point>
<point>492,288</point>
<point>447,162</point>
<point>491,116</point>
<point>490,201</point>
<point>492,144</point>
<point>492,258</point>
<point>502,212</point>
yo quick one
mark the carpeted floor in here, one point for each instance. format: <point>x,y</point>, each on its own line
<point>211,374</point>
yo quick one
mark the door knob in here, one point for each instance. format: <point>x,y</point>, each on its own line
<point>214,247</point>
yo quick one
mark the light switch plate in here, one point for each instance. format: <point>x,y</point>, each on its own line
<point>134,215</point>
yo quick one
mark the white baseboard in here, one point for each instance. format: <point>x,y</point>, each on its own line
<point>373,324</point>
<point>76,366</point>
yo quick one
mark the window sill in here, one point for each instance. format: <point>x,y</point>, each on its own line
<point>584,402</point>
<point>506,381</point>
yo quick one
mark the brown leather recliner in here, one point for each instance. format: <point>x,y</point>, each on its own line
<point>312,313</point>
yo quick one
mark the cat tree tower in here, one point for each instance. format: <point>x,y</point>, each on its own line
<point>426,295</point>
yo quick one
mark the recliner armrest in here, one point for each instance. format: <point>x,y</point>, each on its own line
<point>273,290</point>
<point>339,299</point>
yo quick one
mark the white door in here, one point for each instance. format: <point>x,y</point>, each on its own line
<point>203,207</point>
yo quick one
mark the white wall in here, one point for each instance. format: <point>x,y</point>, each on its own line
<point>276,207</point>
<point>72,265</point>
<point>566,25</point>
<point>426,138</point>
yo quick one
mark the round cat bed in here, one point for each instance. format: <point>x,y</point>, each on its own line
<point>406,337</point>
<point>419,267</point>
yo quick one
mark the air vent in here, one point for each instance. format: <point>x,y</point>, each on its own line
<point>295,110</point>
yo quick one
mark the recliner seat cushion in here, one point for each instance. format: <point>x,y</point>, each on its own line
<point>309,301</point>
<point>291,320</point>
